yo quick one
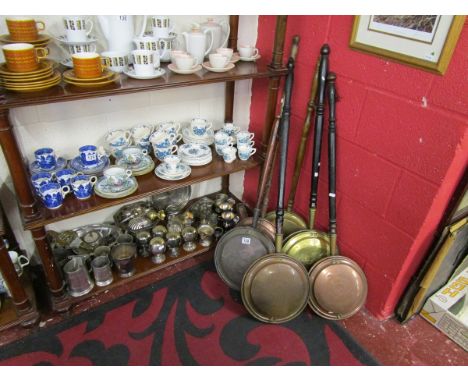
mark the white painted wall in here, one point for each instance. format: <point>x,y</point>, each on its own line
<point>69,125</point>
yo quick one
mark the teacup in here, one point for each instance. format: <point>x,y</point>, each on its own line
<point>116,176</point>
<point>76,28</point>
<point>133,155</point>
<point>230,128</point>
<point>141,134</point>
<point>19,261</point>
<point>118,138</point>
<point>90,155</point>
<point>166,46</point>
<point>229,154</point>
<point>218,61</point>
<point>247,51</point>
<point>185,61</point>
<point>228,52</point>
<point>219,148</point>
<point>244,137</point>
<point>245,152</point>
<point>53,194</point>
<point>172,162</point>
<point>45,158</point>
<point>22,57</point>
<point>200,126</point>
<point>222,138</point>
<point>82,186</point>
<point>169,127</point>
<point>161,26</point>
<point>66,175</point>
<point>88,65</point>
<point>162,152</point>
<point>117,61</point>
<point>41,178</point>
<point>145,62</point>
<point>22,28</point>
<point>161,139</point>
<point>175,53</point>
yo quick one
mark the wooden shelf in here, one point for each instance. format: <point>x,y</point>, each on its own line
<point>126,85</point>
<point>148,184</point>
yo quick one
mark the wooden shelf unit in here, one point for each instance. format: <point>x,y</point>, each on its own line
<point>35,217</point>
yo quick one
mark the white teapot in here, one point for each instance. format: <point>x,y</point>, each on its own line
<point>119,32</point>
<point>219,38</point>
<point>196,42</point>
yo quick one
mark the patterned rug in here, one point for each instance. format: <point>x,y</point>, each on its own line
<point>191,318</point>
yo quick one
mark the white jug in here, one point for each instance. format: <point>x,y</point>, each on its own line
<point>196,42</point>
<point>219,39</point>
<point>119,32</point>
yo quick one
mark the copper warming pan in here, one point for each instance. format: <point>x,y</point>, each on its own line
<point>338,286</point>
<point>275,288</point>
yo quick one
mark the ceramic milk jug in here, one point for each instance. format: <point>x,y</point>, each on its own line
<point>219,37</point>
<point>196,42</point>
<point>119,32</point>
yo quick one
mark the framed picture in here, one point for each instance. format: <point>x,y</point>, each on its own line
<point>423,41</point>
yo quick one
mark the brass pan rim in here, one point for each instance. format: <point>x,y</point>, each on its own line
<point>319,267</point>
<point>254,269</point>
<point>263,225</point>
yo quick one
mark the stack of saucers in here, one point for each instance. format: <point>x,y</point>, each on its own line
<point>195,154</point>
<point>41,41</point>
<point>189,137</point>
<point>107,77</point>
<point>42,78</point>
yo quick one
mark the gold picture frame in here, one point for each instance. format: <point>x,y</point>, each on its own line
<point>429,51</point>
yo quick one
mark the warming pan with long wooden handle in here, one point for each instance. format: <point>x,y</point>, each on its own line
<point>265,225</point>
<point>338,285</point>
<point>309,246</point>
<point>275,288</point>
<point>242,245</point>
<point>294,222</point>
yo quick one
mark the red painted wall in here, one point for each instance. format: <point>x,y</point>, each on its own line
<point>402,145</point>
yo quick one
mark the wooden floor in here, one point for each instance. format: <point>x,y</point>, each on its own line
<point>415,343</point>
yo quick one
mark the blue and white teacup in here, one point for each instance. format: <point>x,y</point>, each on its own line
<point>134,155</point>
<point>41,178</point>
<point>169,127</point>
<point>244,137</point>
<point>222,138</point>
<point>53,194</point>
<point>162,153</point>
<point>161,139</point>
<point>118,138</point>
<point>117,176</point>
<point>91,155</point>
<point>245,151</point>
<point>82,186</point>
<point>200,126</point>
<point>172,161</point>
<point>230,128</point>
<point>46,158</point>
<point>229,154</point>
<point>141,134</point>
<point>65,176</point>
<point>219,148</point>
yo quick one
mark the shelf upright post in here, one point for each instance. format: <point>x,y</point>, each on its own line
<point>16,166</point>
<point>230,88</point>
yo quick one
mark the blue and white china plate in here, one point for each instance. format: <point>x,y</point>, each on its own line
<point>104,190</point>
<point>60,165</point>
<point>183,170</point>
<point>194,151</point>
<point>78,165</point>
<point>144,167</point>
<point>189,137</point>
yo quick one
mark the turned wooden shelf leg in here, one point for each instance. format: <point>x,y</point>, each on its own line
<point>15,165</point>
<point>59,298</point>
<point>25,309</point>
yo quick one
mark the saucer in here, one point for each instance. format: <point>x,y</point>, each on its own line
<point>194,150</point>
<point>63,39</point>
<point>227,68</point>
<point>249,59</point>
<point>131,73</point>
<point>189,137</point>
<point>97,169</point>
<point>61,164</point>
<point>102,189</point>
<point>71,76</point>
<point>235,57</point>
<point>174,69</point>
<point>163,172</point>
<point>142,168</point>
<point>172,36</point>
<point>42,39</point>
<point>68,62</point>
<point>44,66</point>
<point>95,83</point>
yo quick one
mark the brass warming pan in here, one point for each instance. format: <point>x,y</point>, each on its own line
<point>338,286</point>
<point>276,287</point>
